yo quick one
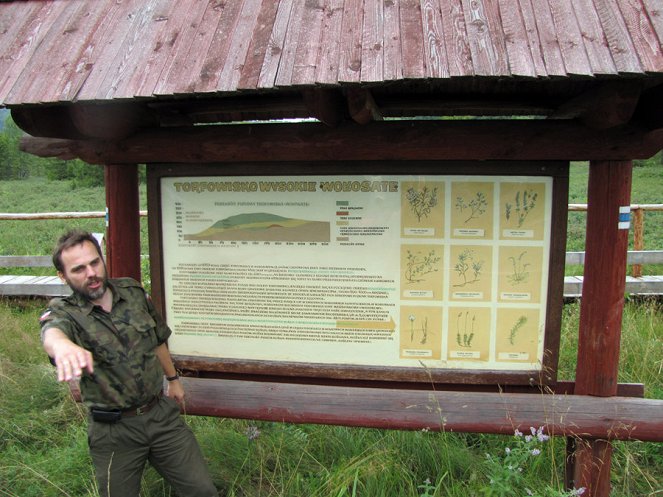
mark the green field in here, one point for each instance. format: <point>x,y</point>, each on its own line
<point>43,439</point>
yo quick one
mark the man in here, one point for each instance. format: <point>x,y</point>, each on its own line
<point>108,335</point>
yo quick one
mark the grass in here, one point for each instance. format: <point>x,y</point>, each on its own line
<point>43,438</point>
<point>43,448</point>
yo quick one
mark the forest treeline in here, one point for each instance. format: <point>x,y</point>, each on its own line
<point>17,165</point>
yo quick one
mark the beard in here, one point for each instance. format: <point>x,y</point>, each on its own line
<point>90,294</point>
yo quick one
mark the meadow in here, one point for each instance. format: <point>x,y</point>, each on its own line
<point>43,437</point>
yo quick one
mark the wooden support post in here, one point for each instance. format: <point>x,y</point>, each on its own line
<point>123,229</point>
<point>601,308</point>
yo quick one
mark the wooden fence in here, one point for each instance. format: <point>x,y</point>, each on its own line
<point>636,284</point>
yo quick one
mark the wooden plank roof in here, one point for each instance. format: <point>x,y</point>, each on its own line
<point>91,51</point>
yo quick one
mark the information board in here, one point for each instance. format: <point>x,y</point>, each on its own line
<point>390,271</point>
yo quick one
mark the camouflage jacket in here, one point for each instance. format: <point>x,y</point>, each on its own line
<point>127,371</point>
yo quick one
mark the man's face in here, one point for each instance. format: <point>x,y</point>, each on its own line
<point>84,271</point>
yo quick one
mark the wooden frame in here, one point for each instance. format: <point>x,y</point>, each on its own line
<point>236,367</point>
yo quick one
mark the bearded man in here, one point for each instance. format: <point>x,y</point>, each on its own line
<point>108,335</point>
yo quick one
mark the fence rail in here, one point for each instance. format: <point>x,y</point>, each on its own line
<point>52,286</point>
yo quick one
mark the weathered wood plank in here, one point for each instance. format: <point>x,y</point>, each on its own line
<point>372,44</point>
<point>169,21</point>
<point>459,56</point>
<point>237,50</point>
<point>86,53</point>
<point>259,45</point>
<point>218,52</point>
<point>656,17</point>
<point>116,28</point>
<point>327,65</point>
<point>435,53</point>
<point>287,57</point>
<point>190,50</point>
<point>393,56</point>
<point>350,49</point>
<point>594,40</point>
<point>26,261</point>
<point>270,66</point>
<point>519,53</point>
<point>129,63</point>
<point>47,286</point>
<point>412,39</point>
<point>483,412</point>
<point>552,53</point>
<point>485,39</point>
<point>309,43</point>
<point>619,41</point>
<point>24,36</point>
<point>532,33</point>
<point>31,86</point>
<point>643,34</point>
<point>633,257</point>
<point>570,38</point>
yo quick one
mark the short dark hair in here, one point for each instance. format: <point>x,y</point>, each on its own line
<point>71,239</point>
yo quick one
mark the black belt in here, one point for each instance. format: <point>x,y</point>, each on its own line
<point>114,415</point>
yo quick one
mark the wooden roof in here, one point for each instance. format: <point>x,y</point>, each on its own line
<point>191,61</point>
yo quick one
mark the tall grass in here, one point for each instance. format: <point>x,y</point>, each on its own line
<point>43,439</point>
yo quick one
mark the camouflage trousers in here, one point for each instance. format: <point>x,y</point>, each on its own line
<point>120,450</point>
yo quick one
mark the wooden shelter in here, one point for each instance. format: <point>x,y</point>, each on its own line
<point>304,81</point>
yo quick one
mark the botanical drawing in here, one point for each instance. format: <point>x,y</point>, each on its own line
<point>424,329</point>
<point>515,328</point>
<point>525,201</point>
<point>519,269</point>
<point>417,266</point>
<point>476,206</point>
<point>465,339</point>
<point>422,201</point>
<point>468,265</point>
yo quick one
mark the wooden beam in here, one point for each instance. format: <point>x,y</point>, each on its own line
<point>611,104</point>
<point>362,106</point>
<point>480,412</point>
<point>402,140</point>
<point>326,105</point>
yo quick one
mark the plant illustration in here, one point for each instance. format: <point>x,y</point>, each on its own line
<point>476,206</point>
<point>525,201</point>
<point>515,328</point>
<point>465,339</point>
<point>519,268</point>
<point>468,264</point>
<point>424,329</point>
<point>422,201</point>
<point>417,266</point>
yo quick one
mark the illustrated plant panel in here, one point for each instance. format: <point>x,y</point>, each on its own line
<point>520,273</point>
<point>519,334</point>
<point>420,332</point>
<point>522,210</point>
<point>422,209</point>
<point>472,210</point>
<point>470,272</point>
<point>469,333</point>
<point>421,271</point>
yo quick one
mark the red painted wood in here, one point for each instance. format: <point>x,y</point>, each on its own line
<point>601,309</point>
<point>123,231</point>
<point>604,279</point>
<point>387,408</point>
<point>496,140</point>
